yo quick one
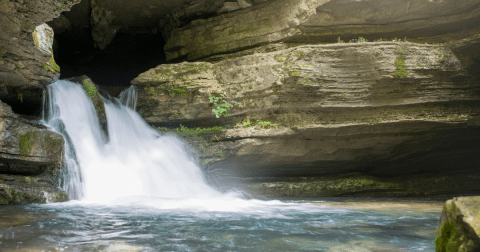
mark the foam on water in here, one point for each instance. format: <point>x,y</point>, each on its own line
<point>134,164</point>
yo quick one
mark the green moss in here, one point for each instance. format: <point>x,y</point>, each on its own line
<point>2,51</point>
<point>90,89</point>
<point>35,38</point>
<point>184,131</point>
<point>51,66</point>
<point>448,238</point>
<point>400,66</point>
<point>294,73</point>
<point>62,197</point>
<point>306,83</point>
<point>51,142</point>
<point>26,142</point>
<point>300,54</point>
<point>175,91</point>
<point>27,180</point>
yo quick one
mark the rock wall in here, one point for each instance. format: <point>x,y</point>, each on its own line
<point>363,119</point>
<point>26,56</point>
<point>324,21</point>
<point>30,161</point>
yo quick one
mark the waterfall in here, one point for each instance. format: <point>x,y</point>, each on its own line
<point>133,161</point>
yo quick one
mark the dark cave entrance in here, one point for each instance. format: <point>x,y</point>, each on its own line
<point>127,56</point>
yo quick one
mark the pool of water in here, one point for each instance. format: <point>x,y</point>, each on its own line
<point>307,225</point>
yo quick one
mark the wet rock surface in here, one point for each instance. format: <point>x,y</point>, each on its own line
<point>91,89</point>
<point>30,161</point>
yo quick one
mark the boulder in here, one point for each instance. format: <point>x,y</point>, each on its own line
<point>30,161</point>
<point>459,225</point>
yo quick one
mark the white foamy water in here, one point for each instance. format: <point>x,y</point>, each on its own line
<point>134,164</point>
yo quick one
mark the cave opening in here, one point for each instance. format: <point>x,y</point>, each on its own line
<point>128,55</point>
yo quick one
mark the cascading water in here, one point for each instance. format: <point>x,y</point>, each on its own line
<point>136,160</point>
<point>137,190</point>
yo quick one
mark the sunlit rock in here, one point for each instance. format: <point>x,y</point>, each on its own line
<point>459,225</point>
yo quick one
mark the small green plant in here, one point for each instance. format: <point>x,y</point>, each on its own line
<point>265,124</point>
<point>163,129</point>
<point>359,40</point>
<point>90,89</point>
<point>444,58</point>
<point>339,40</point>
<point>221,109</point>
<point>300,54</point>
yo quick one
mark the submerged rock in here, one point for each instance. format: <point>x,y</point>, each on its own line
<point>30,161</point>
<point>459,225</point>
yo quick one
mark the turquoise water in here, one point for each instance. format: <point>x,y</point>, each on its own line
<point>276,226</point>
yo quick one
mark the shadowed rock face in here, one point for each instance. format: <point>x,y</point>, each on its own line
<point>30,161</point>
<point>364,119</point>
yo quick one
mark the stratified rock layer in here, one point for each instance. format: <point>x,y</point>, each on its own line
<point>324,21</point>
<point>459,225</point>
<point>30,161</point>
<point>371,119</point>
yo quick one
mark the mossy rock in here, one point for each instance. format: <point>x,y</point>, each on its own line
<point>91,89</point>
<point>459,225</point>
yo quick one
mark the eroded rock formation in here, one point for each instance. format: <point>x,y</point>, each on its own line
<point>26,55</point>
<point>324,21</point>
<point>30,161</point>
<point>343,119</point>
